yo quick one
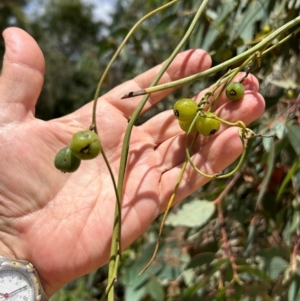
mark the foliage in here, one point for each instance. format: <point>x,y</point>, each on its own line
<point>11,13</point>
<point>234,239</point>
<point>70,42</point>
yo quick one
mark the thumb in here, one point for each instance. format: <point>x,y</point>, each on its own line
<point>22,76</point>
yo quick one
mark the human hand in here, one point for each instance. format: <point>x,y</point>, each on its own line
<point>62,223</point>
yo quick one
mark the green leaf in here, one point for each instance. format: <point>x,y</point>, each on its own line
<point>192,214</point>
<point>267,177</point>
<point>155,290</point>
<point>250,238</point>
<point>188,276</point>
<point>279,128</point>
<point>276,266</point>
<point>256,289</point>
<point>293,291</point>
<point>135,284</point>
<point>165,24</point>
<point>290,174</point>
<point>294,136</point>
<point>267,141</point>
<point>272,252</point>
<point>254,272</point>
<point>134,294</point>
<point>290,226</point>
<point>285,84</point>
<point>170,272</point>
<point>201,259</point>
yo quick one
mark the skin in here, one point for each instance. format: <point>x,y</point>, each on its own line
<point>62,223</point>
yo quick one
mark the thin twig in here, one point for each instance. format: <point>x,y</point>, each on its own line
<point>226,246</point>
<point>261,46</point>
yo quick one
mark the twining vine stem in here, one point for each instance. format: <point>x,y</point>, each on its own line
<point>261,46</point>
<point>225,245</point>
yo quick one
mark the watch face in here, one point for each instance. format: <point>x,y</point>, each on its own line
<point>15,285</point>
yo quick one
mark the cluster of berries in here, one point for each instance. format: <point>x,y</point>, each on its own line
<point>84,145</point>
<point>206,122</point>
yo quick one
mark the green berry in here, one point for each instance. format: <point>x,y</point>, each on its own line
<point>235,91</point>
<point>185,109</point>
<point>207,125</point>
<point>66,161</point>
<point>266,29</point>
<point>289,94</point>
<point>185,125</point>
<point>85,145</point>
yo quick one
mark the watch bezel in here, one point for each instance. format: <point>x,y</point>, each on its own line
<point>29,271</point>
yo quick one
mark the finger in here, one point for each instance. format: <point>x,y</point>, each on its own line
<point>22,75</point>
<point>185,64</point>
<point>164,126</point>
<point>172,150</point>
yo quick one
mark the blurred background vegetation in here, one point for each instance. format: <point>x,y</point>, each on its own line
<point>253,231</point>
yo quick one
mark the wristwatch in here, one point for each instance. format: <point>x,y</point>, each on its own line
<point>19,280</point>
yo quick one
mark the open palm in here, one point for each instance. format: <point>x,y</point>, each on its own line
<point>62,223</point>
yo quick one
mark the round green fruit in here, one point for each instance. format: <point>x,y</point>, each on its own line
<point>185,125</point>
<point>85,145</point>
<point>235,91</point>
<point>185,109</point>
<point>207,125</point>
<point>66,161</point>
<point>289,94</point>
<point>266,29</point>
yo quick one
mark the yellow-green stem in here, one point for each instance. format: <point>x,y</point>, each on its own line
<point>115,252</point>
<point>231,75</point>
<point>97,93</point>
<point>138,110</point>
<point>170,203</point>
<point>239,124</point>
<point>261,46</point>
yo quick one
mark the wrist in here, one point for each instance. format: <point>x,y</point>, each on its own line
<point>27,284</point>
<point>16,255</point>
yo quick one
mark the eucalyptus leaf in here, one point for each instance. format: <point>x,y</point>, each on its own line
<point>254,272</point>
<point>165,24</point>
<point>293,170</point>
<point>279,128</point>
<point>267,141</point>
<point>256,289</point>
<point>155,290</point>
<point>294,136</point>
<point>192,214</point>
<point>201,259</point>
<point>268,174</point>
<point>133,294</point>
<point>188,275</point>
<point>292,291</point>
<point>276,266</point>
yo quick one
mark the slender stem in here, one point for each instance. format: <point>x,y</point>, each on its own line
<point>115,251</point>
<point>261,46</point>
<point>233,73</point>
<point>243,134</point>
<point>136,113</point>
<point>111,281</point>
<point>281,41</point>
<point>118,199</point>
<point>97,93</point>
<point>170,203</point>
<point>226,245</point>
<point>144,100</point>
<point>138,110</point>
